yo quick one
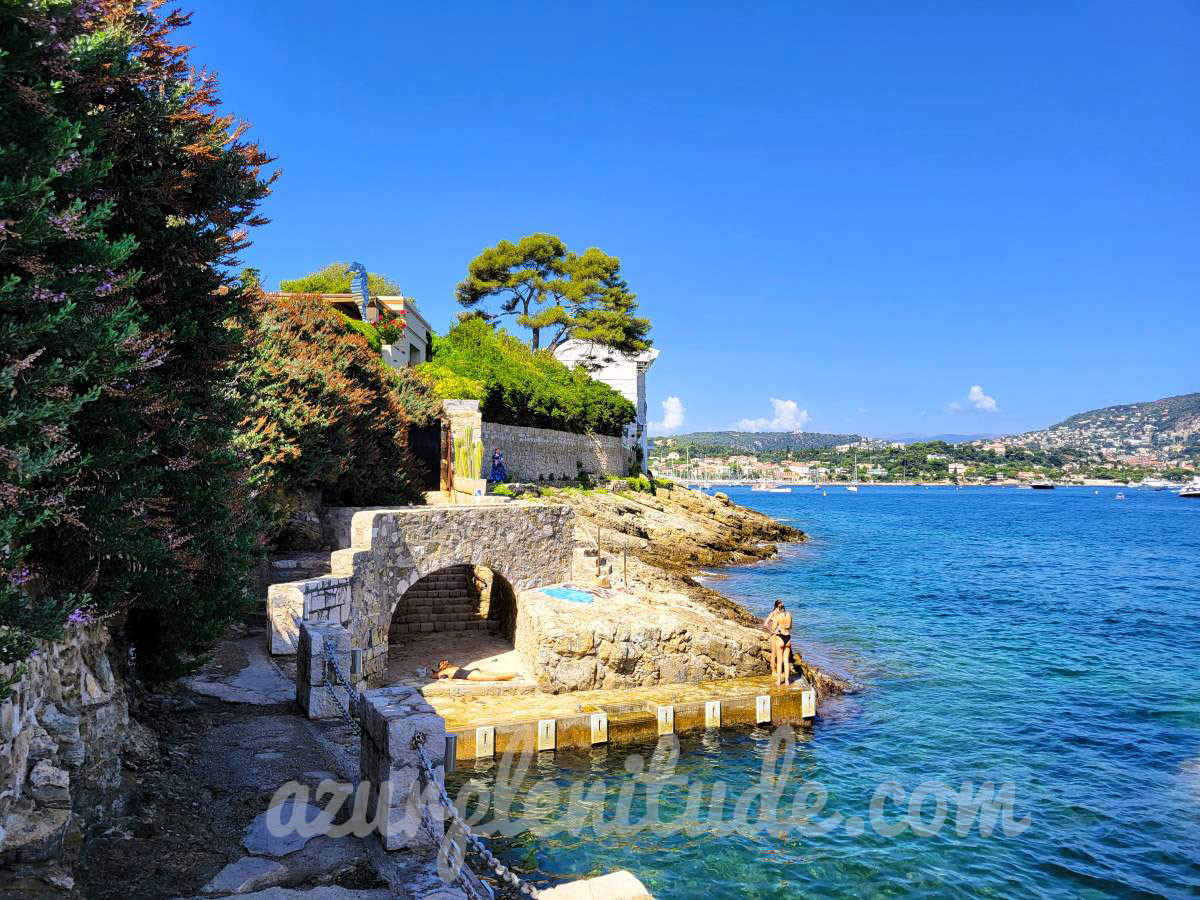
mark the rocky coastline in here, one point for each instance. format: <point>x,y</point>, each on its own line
<point>660,541</point>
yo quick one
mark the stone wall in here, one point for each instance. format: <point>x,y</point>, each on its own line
<point>526,544</point>
<point>533,453</point>
<point>619,641</point>
<point>61,737</point>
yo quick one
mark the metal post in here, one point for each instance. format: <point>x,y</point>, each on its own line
<point>451,758</point>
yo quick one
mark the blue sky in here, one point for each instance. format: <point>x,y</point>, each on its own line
<point>862,211</point>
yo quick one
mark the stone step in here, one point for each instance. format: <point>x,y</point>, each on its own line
<point>469,616</point>
<point>426,627</point>
<point>438,602</point>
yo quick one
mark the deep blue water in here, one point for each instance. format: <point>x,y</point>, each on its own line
<point>1050,639</point>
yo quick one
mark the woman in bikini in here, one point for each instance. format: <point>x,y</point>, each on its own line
<point>447,670</point>
<point>779,625</point>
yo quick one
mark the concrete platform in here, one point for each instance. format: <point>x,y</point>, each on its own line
<point>626,716</point>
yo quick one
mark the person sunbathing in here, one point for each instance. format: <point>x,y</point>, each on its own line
<point>446,669</point>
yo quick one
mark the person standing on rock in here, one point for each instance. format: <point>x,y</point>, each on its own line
<point>779,626</point>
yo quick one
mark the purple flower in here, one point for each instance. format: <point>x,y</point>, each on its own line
<point>79,617</point>
<point>67,222</point>
<point>48,296</point>
<point>21,576</point>
<point>69,163</point>
<point>103,290</point>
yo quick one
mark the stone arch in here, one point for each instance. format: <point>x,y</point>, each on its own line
<point>386,551</point>
<point>466,614</point>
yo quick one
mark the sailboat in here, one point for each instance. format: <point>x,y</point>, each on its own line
<point>854,486</point>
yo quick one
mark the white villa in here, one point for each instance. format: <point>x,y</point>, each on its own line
<point>623,372</point>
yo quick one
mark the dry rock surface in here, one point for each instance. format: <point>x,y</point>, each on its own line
<point>655,545</point>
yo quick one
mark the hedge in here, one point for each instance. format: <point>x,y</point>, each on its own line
<point>519,386</point>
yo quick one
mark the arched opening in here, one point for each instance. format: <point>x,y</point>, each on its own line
<point>462,613</point>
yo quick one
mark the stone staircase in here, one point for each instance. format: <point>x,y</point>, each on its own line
<point>285,566</point>
<point>589,565</point>
<point>447,600</point>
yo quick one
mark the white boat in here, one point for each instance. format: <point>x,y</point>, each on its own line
<point>1120,496</point>
<point>1191,489</point>
<point>1042,484</point>
<point>854,487</point>
<point>1155,484</point>
<point>770,488</point>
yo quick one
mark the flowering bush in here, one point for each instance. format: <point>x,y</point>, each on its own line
<point>390,330</point>
<point>322,411</point>
<point>123,199</point>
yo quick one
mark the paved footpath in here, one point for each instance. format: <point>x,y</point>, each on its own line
<point>194,824</point>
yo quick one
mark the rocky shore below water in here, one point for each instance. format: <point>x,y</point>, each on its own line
<point>658,542</point>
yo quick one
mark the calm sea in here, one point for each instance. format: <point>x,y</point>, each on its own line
<point>1048,639</point>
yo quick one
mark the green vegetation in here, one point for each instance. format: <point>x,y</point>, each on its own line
<point>335,279</point>
<point>517,386</point>
<point>322,411</point>
<point>503,490</point>
<point>366,329</point>
<point>546,286</point>
<point>123,198</point>
<point>468,455</point>
<point>737,443</point>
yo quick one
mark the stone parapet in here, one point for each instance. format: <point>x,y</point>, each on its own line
<point>391,718</point>
<point>313,676</point>
<point>526,544</point>
<point>618,641</point>
<point>541,454</point>
<point>62,731</point>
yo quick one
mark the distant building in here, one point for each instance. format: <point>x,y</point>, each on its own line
<point>624,372</point>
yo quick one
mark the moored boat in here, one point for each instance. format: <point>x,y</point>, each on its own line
<point>1191,489</point>
<point>1042,484</point>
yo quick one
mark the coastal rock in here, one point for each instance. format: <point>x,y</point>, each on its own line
<point>50,786</point>
<point>247,874</point>
<point>260,840</point>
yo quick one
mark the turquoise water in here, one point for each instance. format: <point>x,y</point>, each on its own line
<point>1050,639</point>
<point>570,594</point>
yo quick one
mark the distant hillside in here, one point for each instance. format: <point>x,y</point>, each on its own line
<point>1170,424</point>
<point>914,438</point>
<point>724,443</point>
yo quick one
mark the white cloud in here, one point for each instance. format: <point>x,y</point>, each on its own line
<point>672,420</point>
<point>976,399</point>
<point>788,417</point>
<point>981,401</point>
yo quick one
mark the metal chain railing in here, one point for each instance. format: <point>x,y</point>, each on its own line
<point>474,842</point>
<point>351,694</point>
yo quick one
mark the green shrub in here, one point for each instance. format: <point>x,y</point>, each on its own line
<point>323,412</point>
<point>366,329</point>
<point>335,278</point>
<point>124,199</point>
<point>518,386</point>
<point>503,490</point>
